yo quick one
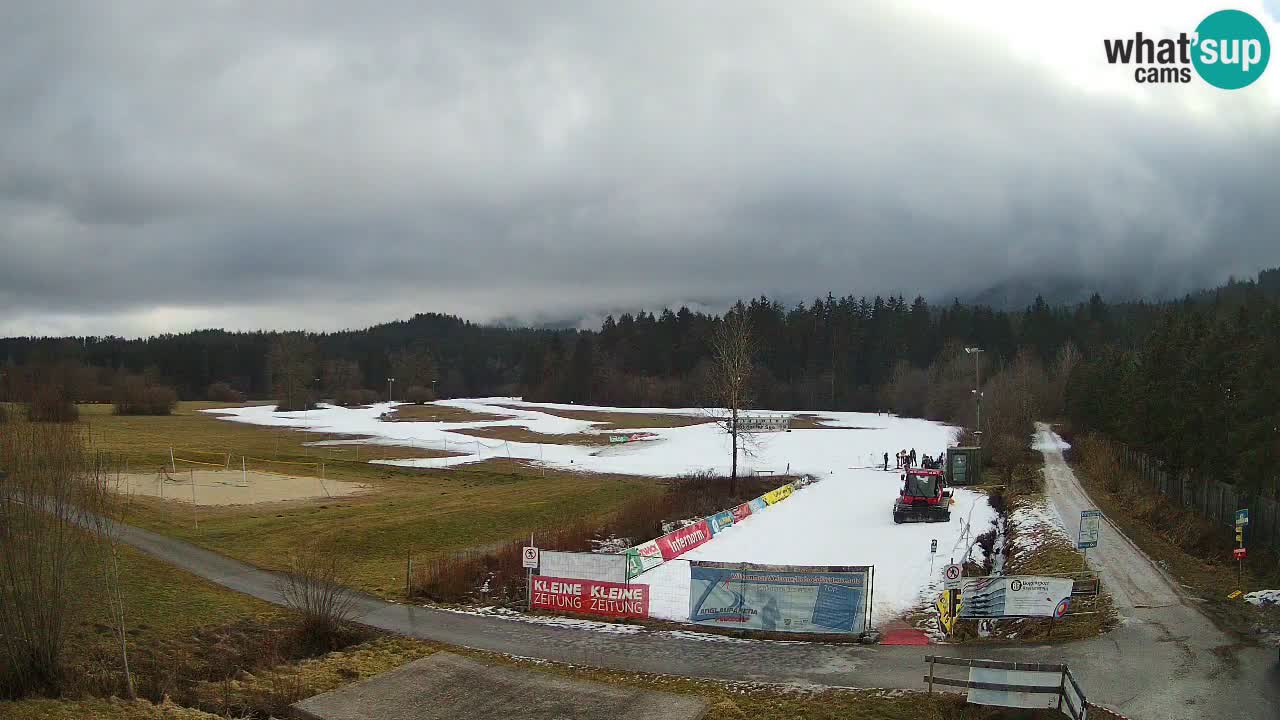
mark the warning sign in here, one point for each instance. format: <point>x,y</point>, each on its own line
<point>529,558</point>
<point>951,577</point>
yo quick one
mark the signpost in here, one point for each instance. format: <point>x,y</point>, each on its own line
<point>951,576</point>
<point>529,559</point>
<point>933,550</point>
<point>1242,519</point>
<point>1090,531</point>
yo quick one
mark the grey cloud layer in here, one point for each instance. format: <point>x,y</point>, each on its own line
<point>320,164</point>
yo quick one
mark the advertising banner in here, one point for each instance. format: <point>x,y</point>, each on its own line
<point>720,521</point>
<point>1015,596</point>
<point>780,598</point>
<point>740,513</point>
<point>584,566</point>
<point>589,597</point>
<point>642,558</point>
<point>757,504</point>
<point>776,496</point>
<point>676,543</point>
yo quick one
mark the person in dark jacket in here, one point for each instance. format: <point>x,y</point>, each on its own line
<point>886,461</point>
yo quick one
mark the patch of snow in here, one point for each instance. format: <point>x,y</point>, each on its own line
<point>1034,523</point>
<point>1263,598</point>
<point>1049,441</point>
<point>565,622</point>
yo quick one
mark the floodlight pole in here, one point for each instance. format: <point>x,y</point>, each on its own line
<point>977,391</point>
<point>389,381</point>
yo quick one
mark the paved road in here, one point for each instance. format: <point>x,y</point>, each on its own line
<point>1169,660</point>
<point>1164,663</point>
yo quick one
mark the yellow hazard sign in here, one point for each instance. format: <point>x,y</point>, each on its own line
<point>948,606</point>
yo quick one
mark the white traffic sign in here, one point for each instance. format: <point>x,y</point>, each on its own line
<point>951,576</point>
<point>530,557</point>
<point>1090,529</point>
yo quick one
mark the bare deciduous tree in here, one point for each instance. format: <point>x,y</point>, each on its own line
<point>729,382</point>
<point>39,539</point>
<point>103,514</point>
<point>315,587</point>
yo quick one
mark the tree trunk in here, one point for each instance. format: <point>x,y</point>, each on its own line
<point>733,474</point>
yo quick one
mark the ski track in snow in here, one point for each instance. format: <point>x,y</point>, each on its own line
<point>845,519</point>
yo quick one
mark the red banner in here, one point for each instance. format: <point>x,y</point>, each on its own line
<point>741,512</point>
<point>590,597</point>
<point>676,543</point>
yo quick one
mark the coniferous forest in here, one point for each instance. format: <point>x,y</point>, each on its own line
<point>1191,381</point>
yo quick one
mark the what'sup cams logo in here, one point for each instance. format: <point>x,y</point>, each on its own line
<point>1229,50</point>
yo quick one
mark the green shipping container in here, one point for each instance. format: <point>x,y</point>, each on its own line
<point>964,466</point>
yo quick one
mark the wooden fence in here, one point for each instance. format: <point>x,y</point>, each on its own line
<point>1214,499</point>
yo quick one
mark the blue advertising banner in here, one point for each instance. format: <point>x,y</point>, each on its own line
<point>721,520</point>
<point>758,504</point>
<point>779,598</point>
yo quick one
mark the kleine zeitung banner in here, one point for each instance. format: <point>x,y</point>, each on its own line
<point>589,597</point>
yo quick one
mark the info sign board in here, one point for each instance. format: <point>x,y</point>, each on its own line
<point>1090,529</point>
<point>780,598</point>
<point>1242,517</point>
<point>763,423</point>
<point>589,597</point>
<point>1015,596</point>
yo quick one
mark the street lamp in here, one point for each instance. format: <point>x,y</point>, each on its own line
<point>389,381</point>
<point>977,391</point>
<point>434,396</point>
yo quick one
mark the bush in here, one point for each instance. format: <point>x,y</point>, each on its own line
<point>133,396</point>
<point>419,395</point>
<point>4,413</point>
<point>223,392</point>
<point>49,403</point>
<point>315,587</point>
<point>496,575</point>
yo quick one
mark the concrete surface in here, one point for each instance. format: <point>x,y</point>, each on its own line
<point>445,686</point>
<point>1165,662</point>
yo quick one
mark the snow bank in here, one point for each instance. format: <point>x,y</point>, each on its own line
<point>1263,598</point>
<point>846,519</point>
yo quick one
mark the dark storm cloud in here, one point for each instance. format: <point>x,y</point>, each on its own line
<point>326,164</point>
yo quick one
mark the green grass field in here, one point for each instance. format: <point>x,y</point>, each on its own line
<point>424,512</point>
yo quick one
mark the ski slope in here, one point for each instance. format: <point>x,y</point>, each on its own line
<point>844,519</point>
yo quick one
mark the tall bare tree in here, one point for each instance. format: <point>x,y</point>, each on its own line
<point>103,515</point>
<point>729,383</point>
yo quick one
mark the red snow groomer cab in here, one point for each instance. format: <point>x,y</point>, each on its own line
<point>922,498</point>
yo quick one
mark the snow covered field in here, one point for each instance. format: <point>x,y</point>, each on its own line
<point>845,519</point>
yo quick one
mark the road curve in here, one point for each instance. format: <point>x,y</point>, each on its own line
<point>1128,669</point>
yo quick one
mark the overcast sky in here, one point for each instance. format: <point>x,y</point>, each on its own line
<point>170,165</point>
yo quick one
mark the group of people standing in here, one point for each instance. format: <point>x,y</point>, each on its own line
<point>907,458</point>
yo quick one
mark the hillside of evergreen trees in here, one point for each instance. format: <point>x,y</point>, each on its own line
<point>1192,381</point>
